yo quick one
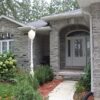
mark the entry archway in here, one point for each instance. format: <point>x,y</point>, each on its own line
<point>74,46</point>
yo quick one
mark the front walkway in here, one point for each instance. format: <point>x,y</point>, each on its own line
<point>63,91</point>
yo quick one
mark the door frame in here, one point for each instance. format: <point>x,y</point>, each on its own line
<point>66,39</point>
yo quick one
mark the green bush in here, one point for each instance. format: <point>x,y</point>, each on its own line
<point>27,88</point>
<point>7,66</point>
<point>33,82</point>
<point>84,83</point>
<point>44,74</point>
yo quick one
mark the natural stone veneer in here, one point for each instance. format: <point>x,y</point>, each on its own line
<point>20,41</point>
<point>57,38</point>
<point>54,50</point>
<point>95,12</point>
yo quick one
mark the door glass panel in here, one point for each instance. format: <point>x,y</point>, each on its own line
<point>88,47</point>
<point>69,48</point>
<point>4,46</point>
<point>78,48</point>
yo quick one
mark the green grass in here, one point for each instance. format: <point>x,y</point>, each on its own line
<point>22,84</point>
<point>6,89</point>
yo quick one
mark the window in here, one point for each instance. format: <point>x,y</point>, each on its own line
<point>78,48</point>
<point>6,42</point>
<point>69,48</point>
<point>4,46</point>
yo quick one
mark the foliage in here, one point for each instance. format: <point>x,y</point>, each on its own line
<point>6,90</point>
<point>7,66</point>
<point>44,74</point>
<point>26,89</point>
<point>29,10</point>
<point>84,83</point>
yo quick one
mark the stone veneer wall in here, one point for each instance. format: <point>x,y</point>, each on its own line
<point>55,50</point>
<point>21,45</point>
<point>57,39</point>
<point>20,41</point>
<point>40,48</point>
<point>95,12</point>
<point>63,35</point>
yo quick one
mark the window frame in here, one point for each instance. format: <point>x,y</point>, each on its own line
<point>8,42</point>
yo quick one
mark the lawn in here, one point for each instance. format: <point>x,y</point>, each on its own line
<point>6,89</point>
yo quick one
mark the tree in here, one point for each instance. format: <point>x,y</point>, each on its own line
<point>8,8</point>
<point>39,9</point>
<point>30,10</point>
<point>58,6</point>
<point>24,11</point>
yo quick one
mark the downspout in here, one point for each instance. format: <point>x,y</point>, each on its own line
<point>91,47</point>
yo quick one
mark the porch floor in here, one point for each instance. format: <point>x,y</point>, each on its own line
<point>70,74</point>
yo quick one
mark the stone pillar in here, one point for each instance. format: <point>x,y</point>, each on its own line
<point>54,50</point>
<point>95,12</point>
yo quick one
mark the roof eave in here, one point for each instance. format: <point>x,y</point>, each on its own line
<point>61,16</point>
<point>26,29</point>
<point>87,3</point>
<point>12,20</point>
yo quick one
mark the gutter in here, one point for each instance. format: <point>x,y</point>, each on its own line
<point>91,47</point>
<point>76,13</point>
<point>41,29</point>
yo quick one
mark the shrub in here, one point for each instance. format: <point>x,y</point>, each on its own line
<point>7,66</point>
<point>84,83</point>
<point>44,74</point>
<point>33,82</point>
<point>27,89</point>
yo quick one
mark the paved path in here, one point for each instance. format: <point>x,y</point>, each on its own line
<point>63,91</point>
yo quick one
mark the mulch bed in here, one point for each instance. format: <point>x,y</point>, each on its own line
<point>48,87</point>
<point>78,96</point>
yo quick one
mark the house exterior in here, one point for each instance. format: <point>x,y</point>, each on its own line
<point>68,40</point>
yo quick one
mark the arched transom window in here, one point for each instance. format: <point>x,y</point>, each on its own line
<point>6,42</point>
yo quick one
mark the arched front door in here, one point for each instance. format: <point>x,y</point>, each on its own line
<point>77,49</point>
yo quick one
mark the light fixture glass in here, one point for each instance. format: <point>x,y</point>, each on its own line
<point>31,34</point>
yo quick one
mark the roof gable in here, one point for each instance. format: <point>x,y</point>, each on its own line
<point>12,20</point>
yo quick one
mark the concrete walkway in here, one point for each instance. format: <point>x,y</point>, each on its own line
<point>63,91</point>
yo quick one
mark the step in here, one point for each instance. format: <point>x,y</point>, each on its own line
<point>70,74</point>
<point>73,68</point>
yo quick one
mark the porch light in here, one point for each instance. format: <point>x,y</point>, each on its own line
<point>31,35</point>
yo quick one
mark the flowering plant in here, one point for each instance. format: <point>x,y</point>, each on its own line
<point>7,66</point>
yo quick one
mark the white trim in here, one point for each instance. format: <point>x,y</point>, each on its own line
<point>91,49</point>
<point>12,20</point>
<point>7,41</point>
<point>42,29</point>
<point>69,14</point>
<point>7,45</point>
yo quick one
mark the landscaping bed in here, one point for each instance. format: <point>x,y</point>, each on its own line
<point>79,96</point>
<point>17,84</point>
<point>46,88</point>
<point>84,85</point>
